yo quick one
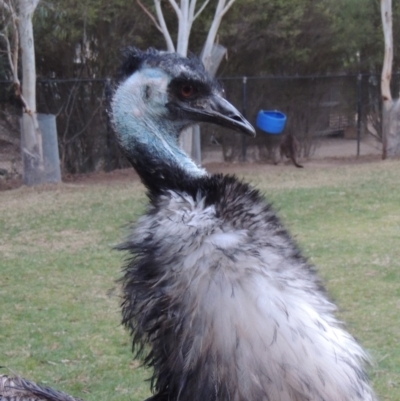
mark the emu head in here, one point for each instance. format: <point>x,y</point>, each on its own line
<point>160,94</point>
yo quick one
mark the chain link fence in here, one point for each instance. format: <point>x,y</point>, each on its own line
<point>332,116</point>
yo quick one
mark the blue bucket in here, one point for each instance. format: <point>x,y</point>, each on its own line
<point>271,121</point>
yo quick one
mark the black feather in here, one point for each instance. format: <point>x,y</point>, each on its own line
<point>180,68</point>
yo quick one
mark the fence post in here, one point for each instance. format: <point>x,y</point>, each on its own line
<point>244,112</point>
<point>359,82</point>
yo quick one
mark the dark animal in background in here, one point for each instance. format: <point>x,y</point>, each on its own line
<point>216,292</point>
<point>290,147</point>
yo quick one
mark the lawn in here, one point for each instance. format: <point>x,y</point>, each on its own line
<point>59,309</point>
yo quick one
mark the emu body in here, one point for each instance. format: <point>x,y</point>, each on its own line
<point>215,287</point>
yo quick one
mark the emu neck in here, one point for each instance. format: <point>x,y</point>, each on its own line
<point>148,137</point>
<point>156,150</point>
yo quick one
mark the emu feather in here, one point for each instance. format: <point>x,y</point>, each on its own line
<point>215,286</point>
<point>18,389</point>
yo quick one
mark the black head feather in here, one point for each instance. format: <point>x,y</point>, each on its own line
<point>132,60</point>
<point>188,68</point>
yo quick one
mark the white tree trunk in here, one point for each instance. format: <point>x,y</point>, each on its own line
<point>222,7</point>
<point>185,25</point>
<point>211,60</point>
<point>32,138</point>
<point>390,107</point>
<point>39,166</point>
<point>163,26</point>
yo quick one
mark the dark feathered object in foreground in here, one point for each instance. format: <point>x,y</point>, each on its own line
<point>216,290</point>
<point>18,389</point>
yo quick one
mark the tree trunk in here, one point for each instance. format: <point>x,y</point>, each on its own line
<point>390,107</point>
<point>32,147</point>
<point>34,161</point>
<point>211,64</point>
<point>211,56</point>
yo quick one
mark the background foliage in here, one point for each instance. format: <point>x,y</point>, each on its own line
<point>83,38</point>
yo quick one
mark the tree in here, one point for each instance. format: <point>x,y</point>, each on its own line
<point>186,14</point>
<point>83,39</point>
<point>390,106</point>
<point>18,34</point>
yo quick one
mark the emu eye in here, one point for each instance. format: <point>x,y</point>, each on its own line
<point>187,90</point>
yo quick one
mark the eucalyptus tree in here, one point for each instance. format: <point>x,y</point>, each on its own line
<point>83,39</point>
<point>187,11</point>
<point>18,40</point>
<point>390,106</point>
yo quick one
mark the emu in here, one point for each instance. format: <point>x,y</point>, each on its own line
<point>215,291</point>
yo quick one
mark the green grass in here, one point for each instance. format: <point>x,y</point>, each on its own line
<point>59,309</point>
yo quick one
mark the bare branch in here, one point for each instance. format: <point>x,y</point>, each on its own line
<point>12,48</point>
<point>192,7</point>
<point>15,50</point>
<point>150,15</point>
<point>200,10</point>
<point>8,51</point>
<point>163,25</point>
<point>227,7</point>
<point>176,8</point>
<point>13,57</point>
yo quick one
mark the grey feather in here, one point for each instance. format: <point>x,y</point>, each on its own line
<point>18,389</point>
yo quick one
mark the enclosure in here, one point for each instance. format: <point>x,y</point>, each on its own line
<point>331,115</point>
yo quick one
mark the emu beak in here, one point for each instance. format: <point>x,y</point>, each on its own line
<point>223,113</point>
<point>218,110</point>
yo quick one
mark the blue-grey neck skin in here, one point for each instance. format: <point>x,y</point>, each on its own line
<point>140,120</point>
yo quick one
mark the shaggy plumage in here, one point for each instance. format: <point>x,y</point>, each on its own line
<point>216,292</point>
<point>18,389</point>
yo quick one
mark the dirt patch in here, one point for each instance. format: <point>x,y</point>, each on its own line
<point>327,162</point>
<point>87,179</point>
<point>129,175</point>
<point>330,152</point>
<point>10,183</point>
